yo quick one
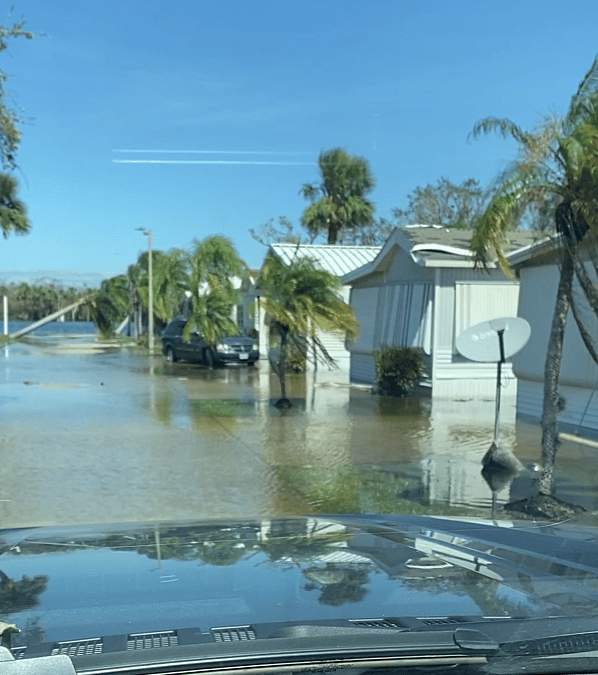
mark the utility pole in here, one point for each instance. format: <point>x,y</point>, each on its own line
<point>150,321</point>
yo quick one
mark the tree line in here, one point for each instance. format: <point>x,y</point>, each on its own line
<point>31,302</point>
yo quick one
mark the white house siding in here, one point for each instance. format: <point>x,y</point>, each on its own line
<point>480,301</point>
<point>422,314</point>
<point>427,308</point>
<point>394,314</point>
<point>365,303</point>
<point>465,297</point>
<point>579,374</point>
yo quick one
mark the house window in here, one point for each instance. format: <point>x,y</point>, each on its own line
<point>477,302</point>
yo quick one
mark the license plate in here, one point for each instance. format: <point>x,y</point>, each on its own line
<point>243,357</point>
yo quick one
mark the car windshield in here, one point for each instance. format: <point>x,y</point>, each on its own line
<point>299,312</point>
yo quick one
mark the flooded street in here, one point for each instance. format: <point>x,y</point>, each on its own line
<point>109,435</point>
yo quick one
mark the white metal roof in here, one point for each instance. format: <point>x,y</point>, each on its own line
<point>337,260</point>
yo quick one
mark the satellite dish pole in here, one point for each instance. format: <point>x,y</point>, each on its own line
<point>488,342</point>
<point>494,341</point>
<point>501,346</point>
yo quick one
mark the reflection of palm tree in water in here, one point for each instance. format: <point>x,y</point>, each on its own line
<point>338,585</point>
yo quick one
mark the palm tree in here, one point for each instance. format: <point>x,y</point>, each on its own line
<point>214,263</point>
<point>556,162</point>
<point>346,180</point>
<point>298,299</point>
<point>134,274</point>
<point>13,212</point>
<point>110,304</point>
<point>171,281</point>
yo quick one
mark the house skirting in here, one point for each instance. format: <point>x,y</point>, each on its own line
<point>455,380</point>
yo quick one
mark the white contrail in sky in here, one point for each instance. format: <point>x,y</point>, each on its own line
<point>227,152</point>
<point>208,161</point>
<point>214,161</point>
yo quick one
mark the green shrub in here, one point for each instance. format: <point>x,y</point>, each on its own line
<point>398,369</point>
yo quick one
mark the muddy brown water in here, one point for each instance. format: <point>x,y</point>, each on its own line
<point>93,434</point>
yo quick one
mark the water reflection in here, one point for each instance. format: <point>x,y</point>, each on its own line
<point>129,438</point>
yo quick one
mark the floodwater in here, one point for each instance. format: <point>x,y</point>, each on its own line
<point>92,433</point>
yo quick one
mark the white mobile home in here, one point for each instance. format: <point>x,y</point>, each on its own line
<point>538,270</point>
<point>422,290</point>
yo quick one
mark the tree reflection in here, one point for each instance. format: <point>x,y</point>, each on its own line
<point>466,583</point>
<point>338,585</point>
<point>220,546</point>
<point>16,596</point>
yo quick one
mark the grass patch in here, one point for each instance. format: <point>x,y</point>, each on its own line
<point>365,489</point>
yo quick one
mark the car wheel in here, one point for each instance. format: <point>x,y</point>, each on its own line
<point>170,355</point>
<point>208,357</point>
<point>251,363</point>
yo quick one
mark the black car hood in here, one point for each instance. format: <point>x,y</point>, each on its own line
<point>65,584</point>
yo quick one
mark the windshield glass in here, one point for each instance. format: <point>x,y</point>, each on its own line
<point>296,296</point>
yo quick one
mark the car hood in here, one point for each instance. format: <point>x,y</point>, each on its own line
<point>237,340</point>
<point>66,584</point>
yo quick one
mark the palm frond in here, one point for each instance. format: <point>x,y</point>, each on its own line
<point>504,127</point>
<point>582,102</point>
<point>13,212</point>
<point>502,214</point>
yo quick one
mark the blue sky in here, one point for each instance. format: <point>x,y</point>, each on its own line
<point>225,106</point>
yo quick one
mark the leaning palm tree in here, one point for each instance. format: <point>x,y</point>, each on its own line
<point>214,264</point>
<point>110,304</point>
<point>299,300</point>
<point>556,163</point>
<point>342,206</point>
<point>13,212</point>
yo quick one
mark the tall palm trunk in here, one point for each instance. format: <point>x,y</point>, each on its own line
<point>552,369</point>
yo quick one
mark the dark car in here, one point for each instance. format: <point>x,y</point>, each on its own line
<point>232,349</point>
<point>379,593</point>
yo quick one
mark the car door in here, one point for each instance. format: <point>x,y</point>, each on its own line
<point>196,346</point>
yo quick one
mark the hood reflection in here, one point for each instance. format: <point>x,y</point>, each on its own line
<point>104,580</point>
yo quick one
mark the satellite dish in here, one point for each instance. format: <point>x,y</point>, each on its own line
<point>482,342</point>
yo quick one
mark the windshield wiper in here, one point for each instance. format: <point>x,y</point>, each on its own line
<point>276,648</point>
<point>479,644</point>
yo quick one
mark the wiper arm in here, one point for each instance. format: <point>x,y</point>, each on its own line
<point>458,641</point>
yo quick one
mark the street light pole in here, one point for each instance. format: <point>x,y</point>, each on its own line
<point>150,321</point>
